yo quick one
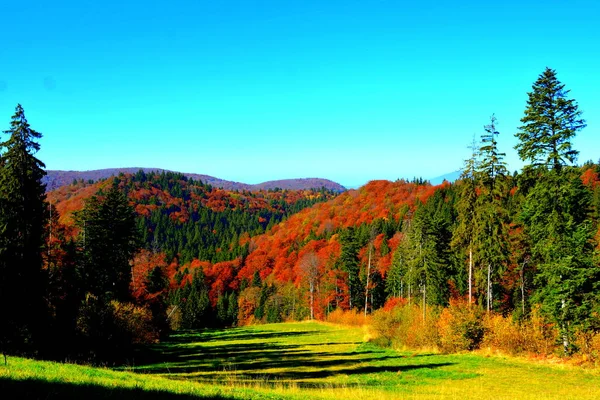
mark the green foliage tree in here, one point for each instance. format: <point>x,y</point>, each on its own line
<point>464,233</point>
<point>196,305</point>
<point>109,239</point>
<point>349,263</point>
<point>556,209</point>
<point>23,218</point>
<point>551,120</point>
<point>490,212</point>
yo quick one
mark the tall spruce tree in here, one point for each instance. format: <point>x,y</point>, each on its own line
<point>108,240</point>
<point>464,234</point>
<point>23,216</point>
<point>555,212</point>
<point>551,120</point>
<point>491,215</point>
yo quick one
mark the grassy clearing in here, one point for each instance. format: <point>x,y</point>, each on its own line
<point>298,361</point>
<point>31,379</point>
<point>328,361</point>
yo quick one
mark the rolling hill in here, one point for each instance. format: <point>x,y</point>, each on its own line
<point>57,178</point>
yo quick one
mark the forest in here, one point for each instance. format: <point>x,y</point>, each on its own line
<point>496,258</point>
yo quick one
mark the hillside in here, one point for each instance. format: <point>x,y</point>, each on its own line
<point>56,178</point>
<point>324,246</point>
<point>190,219</point>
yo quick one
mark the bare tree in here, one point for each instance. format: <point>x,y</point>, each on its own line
<point>309,265</point>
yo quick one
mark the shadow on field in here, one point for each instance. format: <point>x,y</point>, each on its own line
<point>39,389</point>
<point>237,334</point>
<point>261,358</point>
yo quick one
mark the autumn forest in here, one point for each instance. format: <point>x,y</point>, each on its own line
<point>94,268</point>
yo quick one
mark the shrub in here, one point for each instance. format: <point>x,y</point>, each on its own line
<point>109,329</point>
<point>460,327</point>
<point>174,317</point>
<point>539,336</point>
<point>401,325</point>
<point>588,343</point>
<point>504,334</point>
<point>134,323</point>
<point>348,317</point>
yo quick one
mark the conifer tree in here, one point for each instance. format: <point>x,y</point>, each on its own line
<point>109,239</point>
<point>23,216</point>
<point>551,120</point>
<point>491,216</point>
<point>556,208</point>
<point>464,234</point>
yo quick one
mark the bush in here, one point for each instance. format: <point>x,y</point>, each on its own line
<point>109,330</point>
<point>504,334</point>
<point>174,317</point>
<point>460,327</point>
<point>588,343</point>
<point>401,325</point>
<point>528,336</point>
<point>348,317</point>
<point>539,336</point>
<point>133,323</point>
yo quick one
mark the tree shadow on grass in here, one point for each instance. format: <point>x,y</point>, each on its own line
<point>40,389</point>
<point>233,334</point>
<point>268,361</point>
<point>305,378</point>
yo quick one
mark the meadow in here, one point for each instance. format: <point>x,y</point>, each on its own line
<point>298,361</point>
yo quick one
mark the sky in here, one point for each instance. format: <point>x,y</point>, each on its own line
<point>252,90</point>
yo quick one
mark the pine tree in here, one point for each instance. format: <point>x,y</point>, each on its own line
<point>348,262</point>
<point>23,216</point>
<point>108,240</point>
<point>556,208</point>
<point>464,234</point>
<point>562,243</point>
<point>491,217</point>
<point>551,120</point>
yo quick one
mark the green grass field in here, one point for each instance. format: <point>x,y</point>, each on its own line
<point>299,361</point>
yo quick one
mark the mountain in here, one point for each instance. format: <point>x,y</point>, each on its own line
<point>57,178</point>
<point>450,177</point>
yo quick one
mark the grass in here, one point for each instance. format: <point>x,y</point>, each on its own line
<point>299,361</point>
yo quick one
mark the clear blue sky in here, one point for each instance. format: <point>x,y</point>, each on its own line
<point>259,90</point>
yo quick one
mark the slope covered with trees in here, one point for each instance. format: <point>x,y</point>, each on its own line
<point>54,179</point>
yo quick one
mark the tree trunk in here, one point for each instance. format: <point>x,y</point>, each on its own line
<point>470,275</point>
<point>424,304</point>
<point>312,301</point>
<point>367,285</point>
<point>523,288</point>
<point>489,287</point>
<point>565,335</point>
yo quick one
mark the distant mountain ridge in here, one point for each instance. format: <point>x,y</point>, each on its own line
<point>57,178</point>
<point>450,177</point>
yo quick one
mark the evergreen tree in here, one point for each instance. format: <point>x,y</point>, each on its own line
<point>23,217</point>
<point>464,234</point>
<point>551,120</point>
<point>196,306</point>
<point>562,243</point>
<point>556,209</point>
<point>109,239</point>
<point>491,217</point>
<point>349,263</point>
<point>232,308</point>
